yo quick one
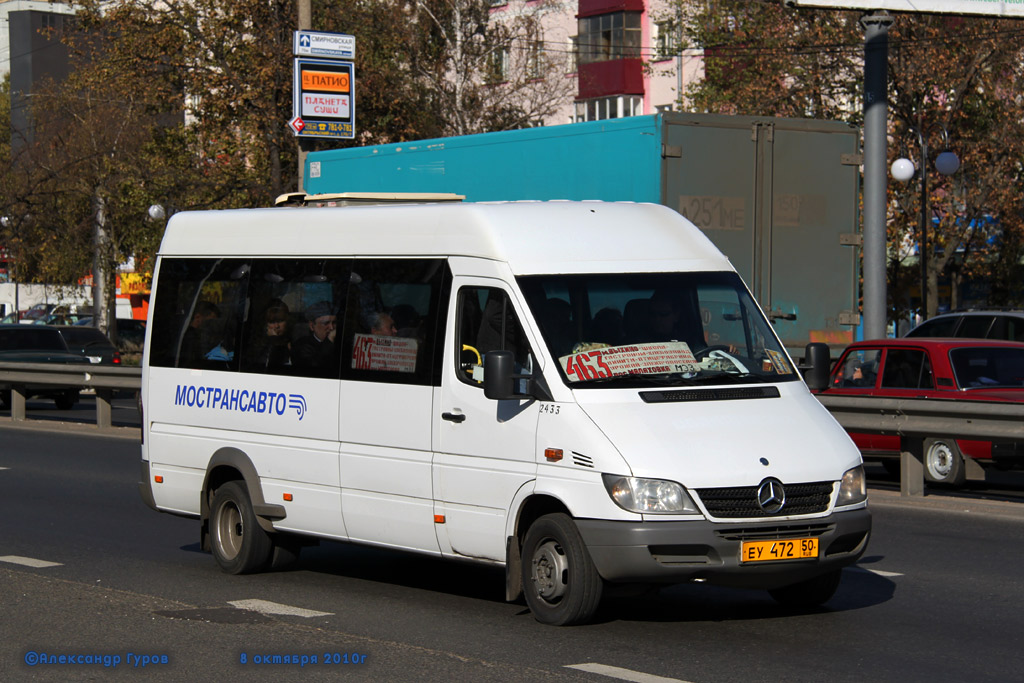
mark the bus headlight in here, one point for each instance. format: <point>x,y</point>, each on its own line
<point>649,496</point>
<point>853,488</point>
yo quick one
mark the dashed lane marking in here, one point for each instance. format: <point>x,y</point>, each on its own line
<point>267,607</point>
<point>28,561</point>
<point>621,674</point>
<point>879,572</point>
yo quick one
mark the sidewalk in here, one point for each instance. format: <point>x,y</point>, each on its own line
<point>885,498</point>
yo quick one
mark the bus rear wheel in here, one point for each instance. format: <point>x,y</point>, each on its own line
<point>239,544</point>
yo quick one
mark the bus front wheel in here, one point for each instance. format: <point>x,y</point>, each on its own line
<point>560,582</point>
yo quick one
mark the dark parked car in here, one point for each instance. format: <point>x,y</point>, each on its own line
<point>1008,325</point>
<point>54,344</point>
<point>131,333</point>
<point>950,369</point>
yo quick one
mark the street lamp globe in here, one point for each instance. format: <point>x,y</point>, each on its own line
<point>902,170</point>
<point>947,163</point>
<point>157,212</point>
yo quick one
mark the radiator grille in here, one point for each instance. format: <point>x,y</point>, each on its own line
<point>741,501</point>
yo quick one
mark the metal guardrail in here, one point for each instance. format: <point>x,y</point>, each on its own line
<point>919,418</point>
<point>912,418</point>
<point>104,379</point>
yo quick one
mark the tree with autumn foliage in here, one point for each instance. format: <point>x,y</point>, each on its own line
<point>957,82</point>
<point>961,75</point>
<point>762,58</point>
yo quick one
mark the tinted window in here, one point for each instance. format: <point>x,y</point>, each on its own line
<point>29,339</point>
<point>988,367</point>
<point>939,327</point>
<point>907,369</point>
<point>294,314</point>
<point>975,326</point>
<point>83,337</point>
<point>199,310</point>
<point>1008,327</point>
<point>394,328</point>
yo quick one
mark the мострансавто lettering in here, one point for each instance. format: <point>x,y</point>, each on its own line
<point>240,400</point>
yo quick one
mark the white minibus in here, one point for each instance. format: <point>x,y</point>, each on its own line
<point>582,392</point>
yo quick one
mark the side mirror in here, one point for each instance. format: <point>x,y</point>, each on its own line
<point>817,366</point>
<point>501,382</point>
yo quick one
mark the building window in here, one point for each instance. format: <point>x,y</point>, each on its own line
<point>498,67</point>
<point>602,108</point>
<point>574,54</point>
<point>609,36</point>
<point>666,40</point>
<point>51,21</point>
<point>535,59</point>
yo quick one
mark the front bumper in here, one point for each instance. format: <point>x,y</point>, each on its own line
<point>679,552</point>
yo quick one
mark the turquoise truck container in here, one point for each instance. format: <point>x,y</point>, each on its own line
<point>780,197</point>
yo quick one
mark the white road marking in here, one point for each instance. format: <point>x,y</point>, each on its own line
<point>5,468</point>
<point>621,674</point>
<point>29,561</point>
<point>266,607</point>
<point>879,572</point>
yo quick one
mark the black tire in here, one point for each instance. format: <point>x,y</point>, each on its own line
<point>66,401</point>
<point>943,462</point>
<point>809,593</point>
<point>238,543</point>
<point>560,582</point>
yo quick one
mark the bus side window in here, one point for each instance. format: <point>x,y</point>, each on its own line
<point>391,331</point>
<point>292,305</point>
<point>199,312</point>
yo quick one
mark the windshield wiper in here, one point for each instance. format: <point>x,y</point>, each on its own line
<point>732,378</point>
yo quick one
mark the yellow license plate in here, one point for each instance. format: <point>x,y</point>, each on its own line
<point>788,549</point>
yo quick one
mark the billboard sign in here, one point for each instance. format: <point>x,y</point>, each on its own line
<point>999,8</point>
<point>324,99</point>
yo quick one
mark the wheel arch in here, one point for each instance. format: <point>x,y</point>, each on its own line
<point>532,507</point>
<point>232,464</point>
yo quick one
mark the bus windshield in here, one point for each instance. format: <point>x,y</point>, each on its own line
<point>638,329</point>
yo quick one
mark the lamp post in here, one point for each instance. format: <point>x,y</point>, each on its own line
<point>947,163</point>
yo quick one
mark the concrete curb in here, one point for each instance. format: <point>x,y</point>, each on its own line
<point>882,498</point>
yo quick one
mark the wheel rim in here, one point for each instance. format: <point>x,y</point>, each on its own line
<point>550,571</point>
<point>940,460</point>
<point>229,530</point>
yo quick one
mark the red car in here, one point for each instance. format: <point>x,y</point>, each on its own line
<point>955,369</point>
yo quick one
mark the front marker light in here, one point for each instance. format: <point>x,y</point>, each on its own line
<point>853,488</point>
<point>649,496</point>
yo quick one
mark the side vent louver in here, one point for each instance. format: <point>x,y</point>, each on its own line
<point>582,460</point>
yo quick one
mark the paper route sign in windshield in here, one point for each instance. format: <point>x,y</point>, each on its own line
<point>633,359</point>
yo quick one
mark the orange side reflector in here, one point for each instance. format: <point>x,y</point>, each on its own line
<point>438,519</point>
<point>553,454</point>
<point>287,496</point>
<point>159,479</point>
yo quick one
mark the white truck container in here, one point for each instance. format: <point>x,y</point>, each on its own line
<point>583,392</point>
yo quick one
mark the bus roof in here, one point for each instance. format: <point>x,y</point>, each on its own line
<point>532,237</point>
